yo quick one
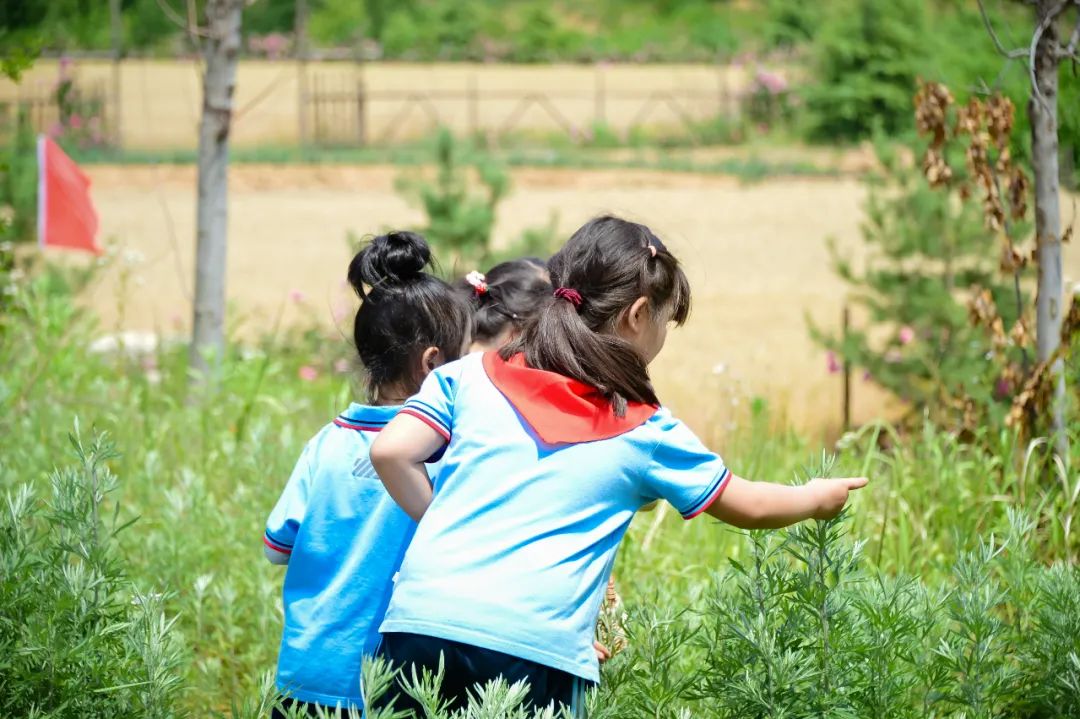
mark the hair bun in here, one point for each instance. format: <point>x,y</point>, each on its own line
<point>390,260</point>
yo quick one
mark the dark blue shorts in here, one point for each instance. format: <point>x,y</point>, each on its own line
<point>466,666</point>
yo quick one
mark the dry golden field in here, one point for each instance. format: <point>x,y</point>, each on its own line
<point>756,255</point>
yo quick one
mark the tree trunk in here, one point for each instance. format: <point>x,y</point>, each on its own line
<point>1042,110</point>
<point>221,51</point>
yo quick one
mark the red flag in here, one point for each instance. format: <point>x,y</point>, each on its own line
<point>66,215</point>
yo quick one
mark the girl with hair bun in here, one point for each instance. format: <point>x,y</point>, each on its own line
<point>340,534</point>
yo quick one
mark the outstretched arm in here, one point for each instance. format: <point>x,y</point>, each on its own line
<point>765,505</point>
<point>399,454</point>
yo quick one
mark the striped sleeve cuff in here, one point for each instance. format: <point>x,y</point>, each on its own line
<point>274,544</point>
<point>424,413</point>
<point>716,488</point>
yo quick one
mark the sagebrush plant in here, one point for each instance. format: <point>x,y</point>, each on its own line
<point>77,637</point>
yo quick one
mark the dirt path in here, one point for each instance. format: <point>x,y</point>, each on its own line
<point>756,254</point>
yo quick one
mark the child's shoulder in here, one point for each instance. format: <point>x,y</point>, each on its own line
<point>453,373</point>
<point>661,425</point>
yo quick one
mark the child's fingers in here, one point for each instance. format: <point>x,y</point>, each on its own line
<point>856,482</point>
<point>602,652</point>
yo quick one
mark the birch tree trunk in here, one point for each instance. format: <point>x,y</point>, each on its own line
<point>1042,111</point>
<point>222,46</point>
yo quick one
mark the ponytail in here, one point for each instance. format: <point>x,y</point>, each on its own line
<point>605,266</point>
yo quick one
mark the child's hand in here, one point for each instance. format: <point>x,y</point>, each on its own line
<point>830,495</point>
<point>602,652</point>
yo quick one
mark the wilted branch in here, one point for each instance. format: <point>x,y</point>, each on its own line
<point>187,26</point>
<point>1073,48</point>
<point>1010,54</point>
<point>1035,38</point>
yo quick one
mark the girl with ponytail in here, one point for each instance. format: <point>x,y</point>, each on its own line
<point>551,444</point>
<point>335,527</point>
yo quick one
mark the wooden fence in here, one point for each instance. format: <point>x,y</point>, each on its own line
<point>341,110</point>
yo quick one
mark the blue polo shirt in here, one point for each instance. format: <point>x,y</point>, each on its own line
<point>515,550</point>
<point>346,537</point>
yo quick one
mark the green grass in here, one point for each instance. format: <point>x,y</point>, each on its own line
<point>200,475</point>
<point>747,165</point>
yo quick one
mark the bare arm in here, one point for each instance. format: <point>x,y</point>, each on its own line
<point>764,505</point>
<point>398,455</point>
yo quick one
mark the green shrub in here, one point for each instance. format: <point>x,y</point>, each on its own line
<point>460,214</point>
<point>866,58</point>
<point>801,628</point>
<point>923,253</point>
<point>77,639</point>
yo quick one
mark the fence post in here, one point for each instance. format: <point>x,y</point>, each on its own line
<point>474,106</point>
<point>600,98</point>
<point>846,325</point>
<point>361,119</point>
<point>302,74</point>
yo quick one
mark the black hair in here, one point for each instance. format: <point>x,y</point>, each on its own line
<point>403,311</point>
<point>607,264</point>
<point>514,291</point>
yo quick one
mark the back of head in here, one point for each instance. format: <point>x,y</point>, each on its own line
<point>608,263</point>
<point>505,297</point>
<point>403,311</point>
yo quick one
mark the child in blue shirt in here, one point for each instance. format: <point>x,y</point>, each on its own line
<point>336,528</point>
<point>550,446</point>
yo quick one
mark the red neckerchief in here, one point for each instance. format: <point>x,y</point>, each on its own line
<point>560,410</point>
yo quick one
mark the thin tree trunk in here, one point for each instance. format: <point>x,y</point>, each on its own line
<point>1042,110</point>
<point>221,51</point>
<point>117,41</point>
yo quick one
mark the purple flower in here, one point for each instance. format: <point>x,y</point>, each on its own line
<point>832,364</point>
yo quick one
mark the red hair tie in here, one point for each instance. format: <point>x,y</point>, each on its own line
<point>571,296</point>
<point>478,282</point>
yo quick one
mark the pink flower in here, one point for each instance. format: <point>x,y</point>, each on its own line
<point>866,376</point>
<point>342,366</point>
<point>1002,388</point>
<point>906,335</point>
<point>341,311</point>
<point>308,373</point>
<point>55,130</point>
<point>296,296</point>
<point>75,121</point>
<point>772,82</point>
<point>832,364</point>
